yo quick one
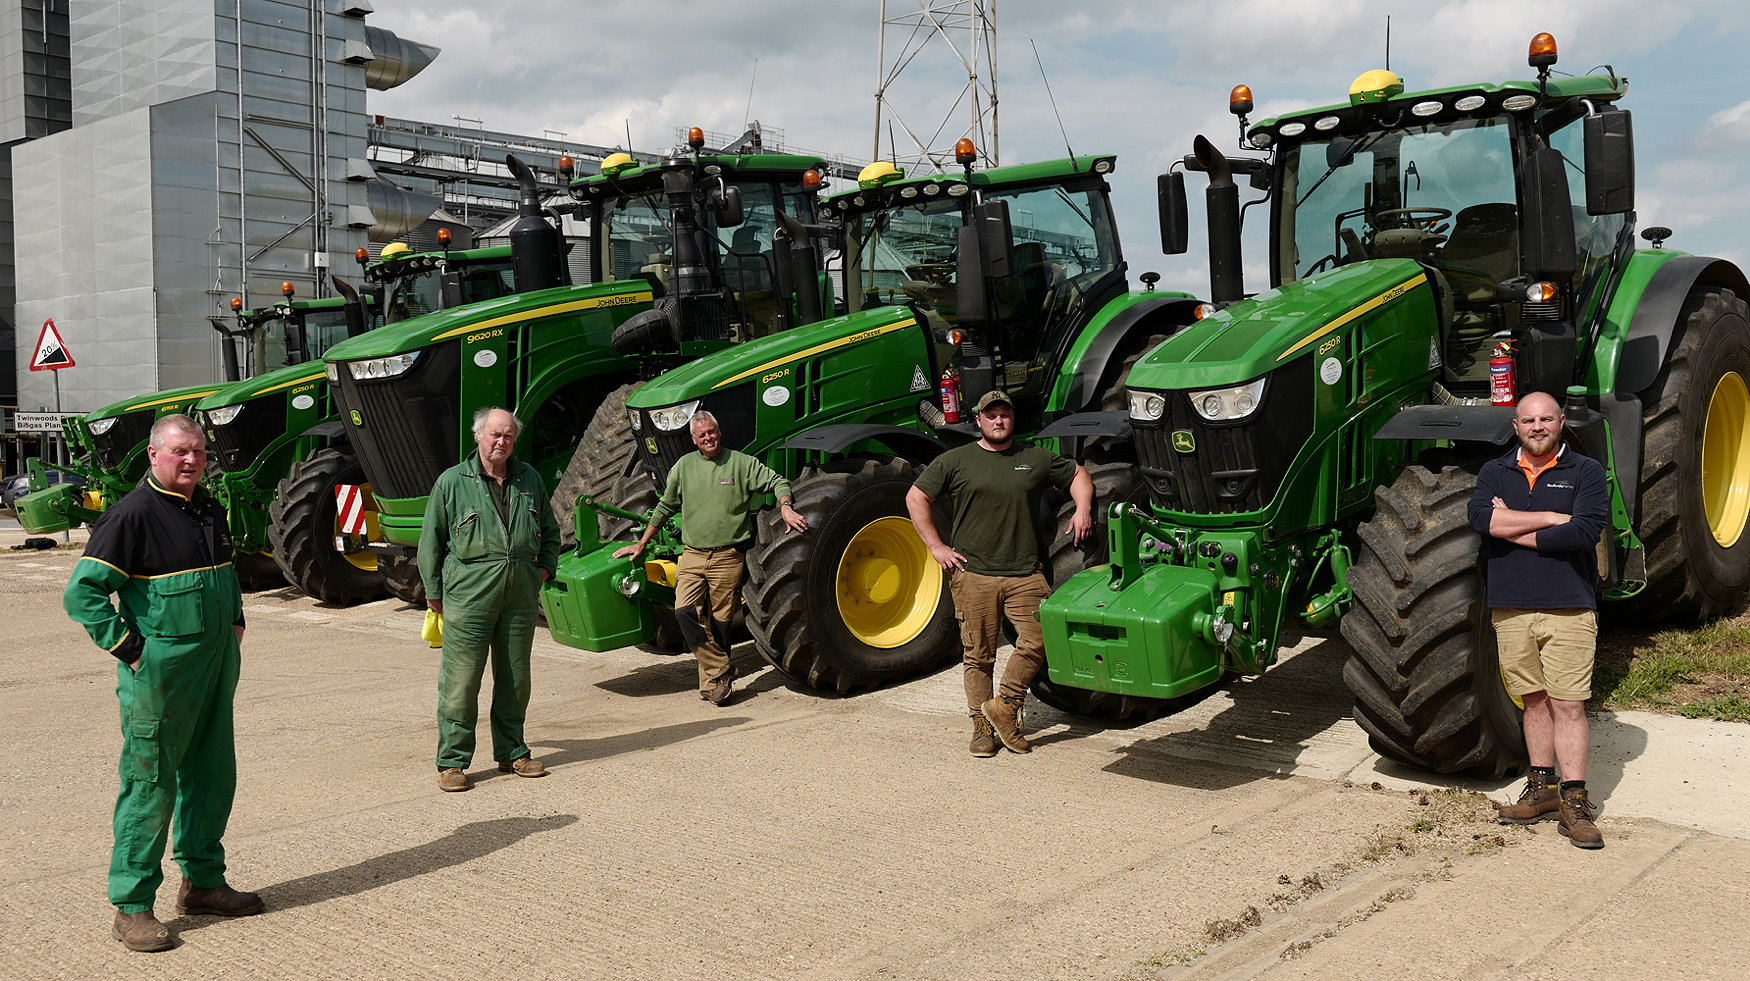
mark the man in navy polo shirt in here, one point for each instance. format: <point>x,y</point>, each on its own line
<point>1540,509</point>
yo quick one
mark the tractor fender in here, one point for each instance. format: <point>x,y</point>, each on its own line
<point>333,429</point>
<point>915,445</point>
<point>1081,425</point>
<point>1114,338</point>
<point>1656,315</point>
<point>1461,423</point>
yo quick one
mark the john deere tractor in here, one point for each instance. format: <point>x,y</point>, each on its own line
<point>1010,277</point>
<point>1310,449</point>
<point>665,242</point>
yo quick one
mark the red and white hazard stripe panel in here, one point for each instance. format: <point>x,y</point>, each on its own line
<point>349,501</point>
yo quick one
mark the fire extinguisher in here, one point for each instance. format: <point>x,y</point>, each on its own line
<point>1501,384</point>
<point>950,390</point>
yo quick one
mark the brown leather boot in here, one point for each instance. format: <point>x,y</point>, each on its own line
<point>527,766</point>
<point>1004,714</point>
<point>142,932</point>
<point>1576,819</point>
<point>220,900</point>
<point>451,780</point>
<point>984,738</point>
<point>1537,803</point>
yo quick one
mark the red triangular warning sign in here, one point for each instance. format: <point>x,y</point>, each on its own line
<point>51,351</point>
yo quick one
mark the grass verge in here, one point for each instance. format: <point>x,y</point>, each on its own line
<point>1700,673</point>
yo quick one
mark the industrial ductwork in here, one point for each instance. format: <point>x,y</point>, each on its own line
<point>394,59</point>
<point>397,211</point>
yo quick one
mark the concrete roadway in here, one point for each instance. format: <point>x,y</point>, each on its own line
<point>792,836</point>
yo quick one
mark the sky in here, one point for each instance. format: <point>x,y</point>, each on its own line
<point>1138,78</point>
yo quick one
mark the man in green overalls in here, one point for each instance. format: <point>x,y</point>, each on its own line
<point>488,542</point>
<point>163,552</point>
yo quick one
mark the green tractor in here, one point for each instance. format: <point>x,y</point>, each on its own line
<point>1310,450</point>
<point>1010,278</point>
<point>667,287</point>
<point>109,451</point>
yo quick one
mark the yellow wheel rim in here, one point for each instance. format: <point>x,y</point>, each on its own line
<point>365,561</point>
<point>888,586</point>
<point>1725,460</point>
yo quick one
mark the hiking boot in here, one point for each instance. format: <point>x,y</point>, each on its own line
<point>141,931</point>
<point>452,780</point>
<point>527,766</point>
<point>220,900</point>
<point>1004,715</point>
<point>719,693</point>
<point>1536,803</point>
<point>1577,814</point>
<point>984,738</point>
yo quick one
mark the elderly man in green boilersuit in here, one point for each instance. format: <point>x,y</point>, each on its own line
<point>488,542</point>
<point>163,552</point>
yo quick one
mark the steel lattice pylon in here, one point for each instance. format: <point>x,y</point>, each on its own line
<point>967,29</point>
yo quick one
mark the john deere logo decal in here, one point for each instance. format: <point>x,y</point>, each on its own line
<point>1183,441</point>
<point>650,444</point>
<point>357,419</point>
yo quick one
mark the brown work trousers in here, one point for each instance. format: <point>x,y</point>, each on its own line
<point>981,603</point>
<point>707,589</point>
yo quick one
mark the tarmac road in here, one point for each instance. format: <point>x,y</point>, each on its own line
<point>792,836</point>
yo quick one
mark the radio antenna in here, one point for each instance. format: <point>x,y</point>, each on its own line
<point>1066,147</point>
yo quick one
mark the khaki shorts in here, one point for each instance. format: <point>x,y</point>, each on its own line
<point>1547,650</point>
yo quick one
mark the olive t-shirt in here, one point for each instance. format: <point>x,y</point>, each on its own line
<point>994,495</point>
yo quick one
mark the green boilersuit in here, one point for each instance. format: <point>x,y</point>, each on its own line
<point>484,565</point>
<point>167,560</point>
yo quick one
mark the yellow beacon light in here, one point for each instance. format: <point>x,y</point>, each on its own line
<point>1543,51</point>
<point>1375,86</point>
<point>1239,101</point>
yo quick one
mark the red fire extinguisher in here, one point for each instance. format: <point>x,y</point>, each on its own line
<point>950,390</point>
<point>1501,386</point>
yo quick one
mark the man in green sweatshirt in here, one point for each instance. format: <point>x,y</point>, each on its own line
<point>711,489</point>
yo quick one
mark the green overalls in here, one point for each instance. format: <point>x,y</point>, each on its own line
<point>168,560</point>
<point>485,569</point>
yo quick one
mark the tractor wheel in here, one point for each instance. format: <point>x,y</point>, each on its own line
<point>1112,482</point>
<point>857,600</point>
<point>302,522</point>
<point>401,577</point>
<point>257,571</point>
<point>607,451</point>
<point>1425,673</point>
<point>1695,467</point>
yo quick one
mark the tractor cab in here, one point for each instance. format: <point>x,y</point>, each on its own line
<point>307,329</point>
<point>411,284</point>
<point>1006,264</point>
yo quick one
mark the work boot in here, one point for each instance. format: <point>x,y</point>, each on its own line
<point>220,900</point>
<point>719,693</point>
<point>1537,803</point>
<point>1004,714</point>
<point>527,766</point>
<point>984,738</point>
<point>1576,821</point>
<point>452,780</point>
<point>141,931</point>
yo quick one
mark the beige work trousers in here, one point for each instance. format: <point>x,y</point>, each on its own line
<point>981,603</point>
<point>707,589</point>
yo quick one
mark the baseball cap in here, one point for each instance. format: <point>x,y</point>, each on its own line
<point>992,397</point>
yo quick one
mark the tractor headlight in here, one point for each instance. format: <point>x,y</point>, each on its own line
<point>1146,406</point>
<point>223,415</point>
<point>674,417</point>
<point>635,419</point>
<point>1228,404</point>
<point>388,367</point>
<point>332,370</point>
<point>101,426</point>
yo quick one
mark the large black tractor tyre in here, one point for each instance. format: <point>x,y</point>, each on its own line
<point>1695,468</point>
<point>1425,672</point>
<point>401,577</point>
<point>301,528</point>
<point>607,451</point>
<point>257,571</point>
<point>1112,482</point>
<point>857,600</point>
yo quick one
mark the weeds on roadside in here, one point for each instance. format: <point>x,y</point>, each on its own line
<point>1702,673</point>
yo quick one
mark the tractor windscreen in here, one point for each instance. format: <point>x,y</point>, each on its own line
<point>637,234</point>
<point>421,292</point>
<point>903,255</point>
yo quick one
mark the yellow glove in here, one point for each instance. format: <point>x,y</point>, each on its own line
<point>433,631</point>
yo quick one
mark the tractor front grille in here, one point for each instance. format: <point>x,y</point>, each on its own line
<point>1223,468</point>
<point>734,409</point>
<point>128,431</point>
<point>405,429</point>
<point>239,445</point>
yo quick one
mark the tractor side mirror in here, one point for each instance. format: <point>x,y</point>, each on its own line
<point>1547,242</point>
<point>1610,163</point>
<point>984,249</point>
<point>1175,216</point>
<point>726,204</point>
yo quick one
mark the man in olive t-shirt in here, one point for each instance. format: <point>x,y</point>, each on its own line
<point>711,490</point>
<point>995,486</point>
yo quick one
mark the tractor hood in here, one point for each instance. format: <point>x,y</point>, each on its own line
<point>758,359</point>
<point>495,314</point>
<point>153,400</point>
<point>271,383</point>
<point>1256,335</point>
